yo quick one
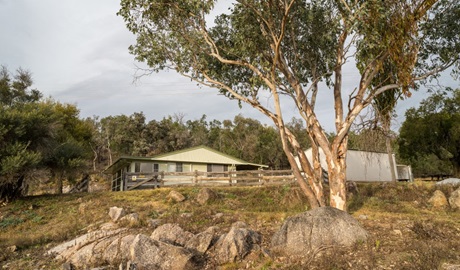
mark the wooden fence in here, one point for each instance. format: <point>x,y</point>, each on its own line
<point>234,178</point>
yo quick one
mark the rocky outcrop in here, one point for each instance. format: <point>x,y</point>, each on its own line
<point>168,247</point>
<point>438,200</point>
<point>315,229</point>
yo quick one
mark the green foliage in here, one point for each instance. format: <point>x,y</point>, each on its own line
<point>36,134</point>
<point>430,138</point>
<point>10,221</point>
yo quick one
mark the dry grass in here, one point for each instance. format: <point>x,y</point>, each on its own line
<point>405,232</point>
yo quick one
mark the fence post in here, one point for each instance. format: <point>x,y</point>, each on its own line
<point>162,177</point>
<point>195,177</point>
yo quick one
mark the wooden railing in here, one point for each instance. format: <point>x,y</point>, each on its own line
<point>157,179</point>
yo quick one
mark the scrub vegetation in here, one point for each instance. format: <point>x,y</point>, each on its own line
<point>406,233</point>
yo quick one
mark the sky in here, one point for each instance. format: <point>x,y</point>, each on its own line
<point>77,52</point>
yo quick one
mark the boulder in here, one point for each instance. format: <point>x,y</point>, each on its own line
<point>236,244</point>
<point>454,199</point>
<point>438,199</point>
<point>172,234</point>
<point>320,227</point>
<point>116,213</point>
<point>147,253</point>
<point>176,196</point>
<point>203,241</point>
<point>206,195</point>
<point>449,181</point>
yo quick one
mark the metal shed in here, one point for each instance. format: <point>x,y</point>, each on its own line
<point>365,166</point>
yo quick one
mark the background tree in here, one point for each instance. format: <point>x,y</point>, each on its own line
<point>35,134</point>
<point>287,48</point>
<point>20,122</point>
<point>68,154</point>
<point>430,136</point>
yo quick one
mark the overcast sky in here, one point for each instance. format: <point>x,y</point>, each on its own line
<point>77,51</point>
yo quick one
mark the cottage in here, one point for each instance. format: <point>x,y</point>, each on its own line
<point>128,172</point>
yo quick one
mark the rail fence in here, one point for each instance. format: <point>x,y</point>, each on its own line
<point>130,181</point>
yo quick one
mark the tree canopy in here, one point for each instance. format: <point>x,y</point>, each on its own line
<point>430,136</point>
<point>298,49</point>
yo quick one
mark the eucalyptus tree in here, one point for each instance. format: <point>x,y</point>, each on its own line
<point>298,49</point>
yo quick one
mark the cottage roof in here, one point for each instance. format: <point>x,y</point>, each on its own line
<point>199,154</point>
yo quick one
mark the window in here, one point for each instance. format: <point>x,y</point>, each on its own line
<point>217,168</point>
<point>137,167</point>
<point>179,166</point>
<point>146,167</point>
<point>156,167</point>
<point>175,167</point>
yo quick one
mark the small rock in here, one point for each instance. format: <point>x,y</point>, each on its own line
<point>186,215</point>
<point>116,213</point>
<point>218,215</point>
<point>362,217</point>
<point>12,248</point>
<point>206,195</point>
<point>176,196</point>
<point>397,232</point>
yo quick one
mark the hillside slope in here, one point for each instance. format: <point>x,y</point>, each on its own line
<point>406,232</point>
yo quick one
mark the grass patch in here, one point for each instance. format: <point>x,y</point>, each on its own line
<point>402,225</point>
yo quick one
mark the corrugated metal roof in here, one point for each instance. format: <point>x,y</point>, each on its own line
<point>199,154</point>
